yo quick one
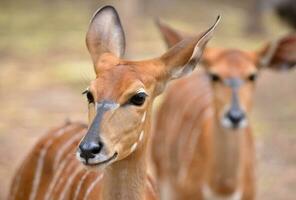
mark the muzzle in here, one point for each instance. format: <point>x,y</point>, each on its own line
<point>235,117</point>
<point>91,149</point>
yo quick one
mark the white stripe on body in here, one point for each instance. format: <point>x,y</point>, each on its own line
<point>91,187</point>
<point>40,162</point>
<point>66,187</point>
<point>17,182</point>
<point>79,185</point>
<point>65,146</point>
<point>57,176</point>
<point>59,180</point>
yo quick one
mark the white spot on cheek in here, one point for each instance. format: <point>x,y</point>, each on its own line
<point>243,123</point>
<point>141,136</point>
<point>144,117</point>
<point>133,148</point>
<point>225,122</point>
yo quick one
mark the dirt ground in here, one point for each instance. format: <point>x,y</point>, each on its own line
<point>45,67</point>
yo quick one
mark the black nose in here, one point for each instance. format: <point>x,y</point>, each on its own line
<point>89,150</point>
<point>235,116</point>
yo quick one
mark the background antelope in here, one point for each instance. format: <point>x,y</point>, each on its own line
<point>119,102</point>
<point>203,145</point>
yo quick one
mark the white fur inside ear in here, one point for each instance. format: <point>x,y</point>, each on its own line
<point>176,73</point>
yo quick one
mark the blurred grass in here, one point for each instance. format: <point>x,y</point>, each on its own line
<point>36,27</point>
<point>50,34</point>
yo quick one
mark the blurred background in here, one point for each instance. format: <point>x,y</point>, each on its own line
<point>44,67</point>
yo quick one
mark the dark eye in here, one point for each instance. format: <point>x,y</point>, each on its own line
<point>215,77</point>
<point>138,99</point>
<point>89,96</point>
<point>252,77</point>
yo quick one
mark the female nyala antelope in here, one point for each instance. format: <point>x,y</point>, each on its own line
<point>203,148</point>
<point>120,101</point>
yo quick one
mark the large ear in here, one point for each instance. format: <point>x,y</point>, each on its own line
<point>280,54</point>
<point>105,34</point>
<point>170,35</point>
<point>182,58</point>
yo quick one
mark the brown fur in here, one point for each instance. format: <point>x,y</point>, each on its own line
<point>190,148</point>
<point>64,170</point>
<point>117,80</point>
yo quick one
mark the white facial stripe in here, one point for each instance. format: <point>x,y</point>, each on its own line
<point>141,136</point>
<point>135,145</point>
<point>109,106</point>
<point>133,148</point>
<point>144,117</point>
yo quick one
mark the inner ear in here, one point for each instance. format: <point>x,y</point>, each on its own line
<point>105,34</point>
<point>182,58</point>
<point>279,54</point>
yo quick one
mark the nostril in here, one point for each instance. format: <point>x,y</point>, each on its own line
<point>97,148</point>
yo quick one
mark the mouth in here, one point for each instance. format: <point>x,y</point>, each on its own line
<point>94,162</point>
